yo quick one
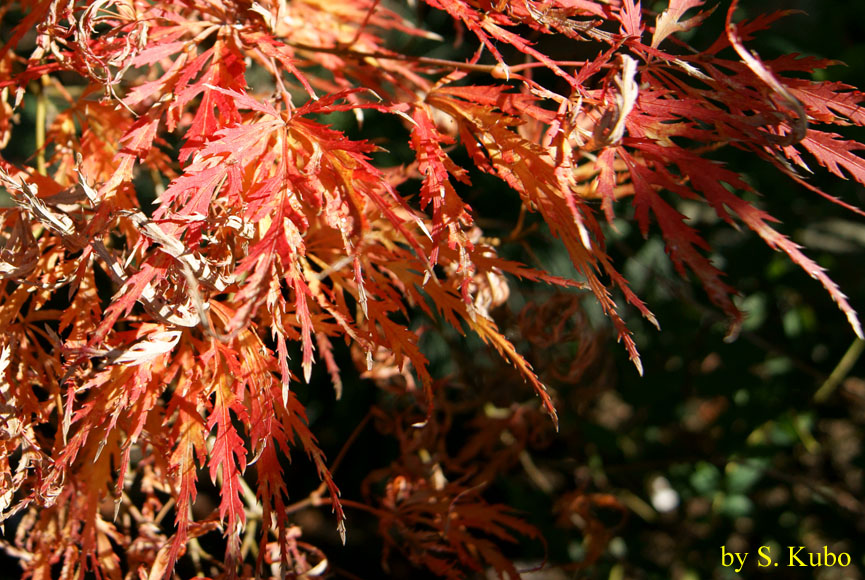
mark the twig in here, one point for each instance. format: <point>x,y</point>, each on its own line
<point>14,552</point>
<point>312,500</point>
<point>363,507</point>
<point>249,544</point>
<point>315,496</point>
<point>345,573</point>
<point>465,66</point>
<point>350,441</point>
<point>799,125</point>
<point>364,23</point>
<point>839,497</point>
<point>535,474</point>
<point>840,372</point>
<point>197,553</point>
<point>41,121</point>
<point>164,511</point>
<point>253,508</point>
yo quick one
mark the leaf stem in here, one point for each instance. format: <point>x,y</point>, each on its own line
<point>466,66</point>
<point>363,507</point>
<point>350,441</point>
<point>845,365</point>
<point>314,498</point>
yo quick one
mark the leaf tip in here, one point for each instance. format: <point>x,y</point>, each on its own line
<point>639,364</point>
<point>854,322</point>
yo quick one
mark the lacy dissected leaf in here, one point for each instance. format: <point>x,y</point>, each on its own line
<point>683,243</point>
<point>227,457</point>
<point>828,102</point>
<point>532,172</point>
<point>489,27</point>
<point>709,178</point>
<point>631,16</point>
<point>448,526</point>
<point>294,421</point>
<point>449,530</point>
<point>189,431</point>
<point>670,20</point>
<point>836,154</point>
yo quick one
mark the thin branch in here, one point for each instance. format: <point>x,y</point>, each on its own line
<point>363,507</point>
<point>315,498</point>
<point>363,24</point>
<point>845,365</point>
<point>465,66</point>
<point>249,543</point>
<point>41,122</point>
<point>350,441</point>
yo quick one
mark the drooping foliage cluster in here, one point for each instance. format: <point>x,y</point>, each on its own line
<point>146,347</point>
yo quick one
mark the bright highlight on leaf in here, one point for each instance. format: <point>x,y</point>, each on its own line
<point>279,240</point>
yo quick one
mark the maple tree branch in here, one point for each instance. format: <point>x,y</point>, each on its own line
<point>799,124</point>
<point>445,63</point>
<point>15,552</point>
<point>364,23</point>
<point>198,554</point>
<point>535,474</point>
<point>254,510</point>
<point>350,441</point>
<point>841,370</point>
<point>164,511</point>
<point>41,121</point>
<point>133,510</point>
<point>249,543</point>
<point>345,573</point>
<point>841,498</point>
<point>363,507</point>
<point>314,498</point>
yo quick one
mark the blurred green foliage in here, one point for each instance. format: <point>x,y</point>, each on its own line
<point>734,428</point>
